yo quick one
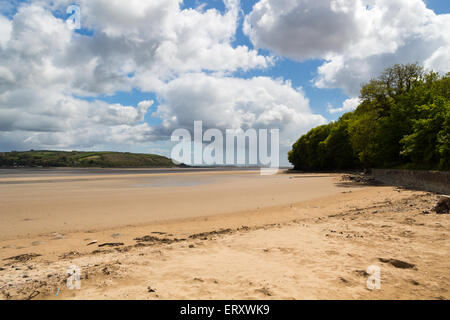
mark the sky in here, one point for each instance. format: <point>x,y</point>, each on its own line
<point>137,70</point>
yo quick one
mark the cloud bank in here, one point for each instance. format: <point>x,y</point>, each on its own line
<point>357,38</point>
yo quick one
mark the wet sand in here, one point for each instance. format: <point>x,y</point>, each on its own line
<point>218,235</point>
<point>32,205</point>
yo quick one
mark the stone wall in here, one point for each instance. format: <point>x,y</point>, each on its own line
<point>433,181</point>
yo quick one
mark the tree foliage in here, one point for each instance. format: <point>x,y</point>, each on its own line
<point>403,120</point>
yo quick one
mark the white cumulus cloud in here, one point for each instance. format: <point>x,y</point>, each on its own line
<point>51,76</point>
<point>357,38</point>
<point>347,105</point>
<point>233,103</point>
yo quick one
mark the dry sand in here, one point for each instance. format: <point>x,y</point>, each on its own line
<point>230,235</point>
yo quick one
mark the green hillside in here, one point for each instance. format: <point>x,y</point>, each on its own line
<point>44,158</point>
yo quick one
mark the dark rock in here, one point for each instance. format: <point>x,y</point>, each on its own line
<point>102,251</point>
<point>361,178</point>
<point>147,239</point>
<point>111,244</point>
<point>343,280</point>
<point>154,239</point>
<point>443,206</point>
<point>70,254</point>
<point>123,249</point>
<point>362,273</point>
<point>23,257</point>
<point>34,294</point>
<point>398,263</point>
<point>205,235</point>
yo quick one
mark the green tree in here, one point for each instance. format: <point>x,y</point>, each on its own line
<point>402,121</point>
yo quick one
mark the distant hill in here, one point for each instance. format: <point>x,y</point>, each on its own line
<point>44,158</point>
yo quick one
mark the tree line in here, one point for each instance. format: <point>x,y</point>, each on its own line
<point>403,121</point>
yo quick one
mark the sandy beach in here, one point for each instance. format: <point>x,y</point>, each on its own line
<point>217,235</point>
